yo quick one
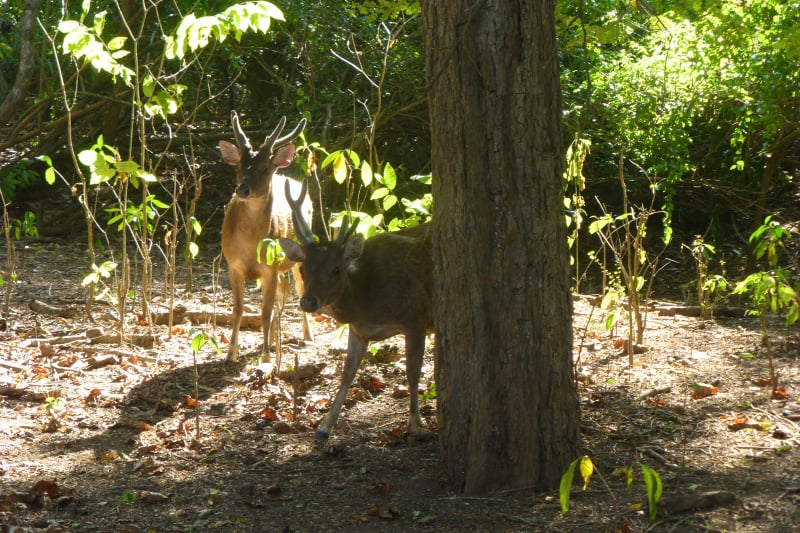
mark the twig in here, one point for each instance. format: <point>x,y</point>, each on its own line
<point>654,392</point>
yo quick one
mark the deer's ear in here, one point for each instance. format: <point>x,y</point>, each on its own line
<point>230,154</point>
<point>283,156</point>
<point>292,250</point>
<point>353,248</point>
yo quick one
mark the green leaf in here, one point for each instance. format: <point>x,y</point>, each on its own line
<point>389,176</point>
<point>87,157</point>
<point>654,488</point>
<point>425,179</point>
<point>68,26</point>
<point>117,43</point>
<point>198,340</point>
<point>366,174</point>
<point>195,224</point>
<point>353,158</point>
<point>377,194</point>
<point>389,202</point>
<point>148,85</point>
<point>611,319</point>
<point>193,249</point>
<point>330,158</point>
<point>599,224</point>
<point>566,485</point>
<point>128,167</point>
<point>158,203</point>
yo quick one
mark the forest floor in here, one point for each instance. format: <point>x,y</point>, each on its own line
<point>95,436</point>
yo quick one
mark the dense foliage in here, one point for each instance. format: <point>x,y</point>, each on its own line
<point>697,97</point>
<point>703,96</point>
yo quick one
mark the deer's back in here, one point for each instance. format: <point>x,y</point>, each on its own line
<point>393,278</point>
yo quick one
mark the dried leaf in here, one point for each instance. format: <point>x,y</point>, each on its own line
<point>372,383</point>
<point>283,428</point>
<point>92,396</point>
<point>380,488</point>
<point>779,393</point>
<point>400,392</point>
<point>386,513</point>
<point>703,390</point>
<point>151,497</point>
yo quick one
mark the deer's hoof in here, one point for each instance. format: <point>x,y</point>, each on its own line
<point>322,434</point>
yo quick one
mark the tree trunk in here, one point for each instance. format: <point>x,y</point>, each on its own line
<point>508,410</point>
<point>27,34</point>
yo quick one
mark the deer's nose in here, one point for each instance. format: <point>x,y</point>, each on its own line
<point>243,190</point>
<point>309,304</point>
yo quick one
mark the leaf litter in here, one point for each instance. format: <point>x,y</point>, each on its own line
<point>103,437</point>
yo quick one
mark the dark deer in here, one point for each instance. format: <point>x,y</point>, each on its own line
<point>253,215</point>
<point>381,287</point>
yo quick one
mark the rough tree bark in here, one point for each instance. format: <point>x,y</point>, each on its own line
<point>508,410</point>
<point>12,103</point>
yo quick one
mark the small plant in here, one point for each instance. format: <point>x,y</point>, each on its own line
<point>199,338</point>
<point>26,227</point>
<point>137,216</point>
<point>9,273</point>
<point>623,236</point>
<point>54,408</point>
<point>770,290</point>
<point>18,175</point>
<point>429,393</point>
<point>96,277</point>
<point>651,479</point>
<point>709,288</point>
<point>574,202</point>
<point>127,498</point>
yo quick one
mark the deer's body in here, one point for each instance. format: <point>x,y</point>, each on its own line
<point>380,287</point>
<point>254,214</point>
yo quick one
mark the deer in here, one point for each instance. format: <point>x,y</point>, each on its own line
<point>380,287</point>
<point>252,215</point>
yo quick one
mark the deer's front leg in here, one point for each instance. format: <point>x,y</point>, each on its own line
<point>269,283</point>
<point>356,347</point>
<point>237,289</point>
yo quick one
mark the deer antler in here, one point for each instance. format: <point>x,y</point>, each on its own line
<point>290,136</point>
<point>238,132</point>
<point>303,232</point>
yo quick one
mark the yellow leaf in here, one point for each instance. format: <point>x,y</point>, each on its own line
<point>587,469</point>
<point>340,168</point>
<point>635,507</point>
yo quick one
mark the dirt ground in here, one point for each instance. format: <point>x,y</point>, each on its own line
<point>95,436</point>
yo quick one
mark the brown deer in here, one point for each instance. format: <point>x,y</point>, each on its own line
<point>381,287</point>
<point>253,215</point>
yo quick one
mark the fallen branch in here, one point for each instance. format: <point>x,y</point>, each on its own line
<point>654,392</point>
<point>51,310</point>
<point>692,502</point>
<point>143,340</point>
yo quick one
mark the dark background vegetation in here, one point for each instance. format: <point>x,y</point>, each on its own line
<point>699,100</point>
